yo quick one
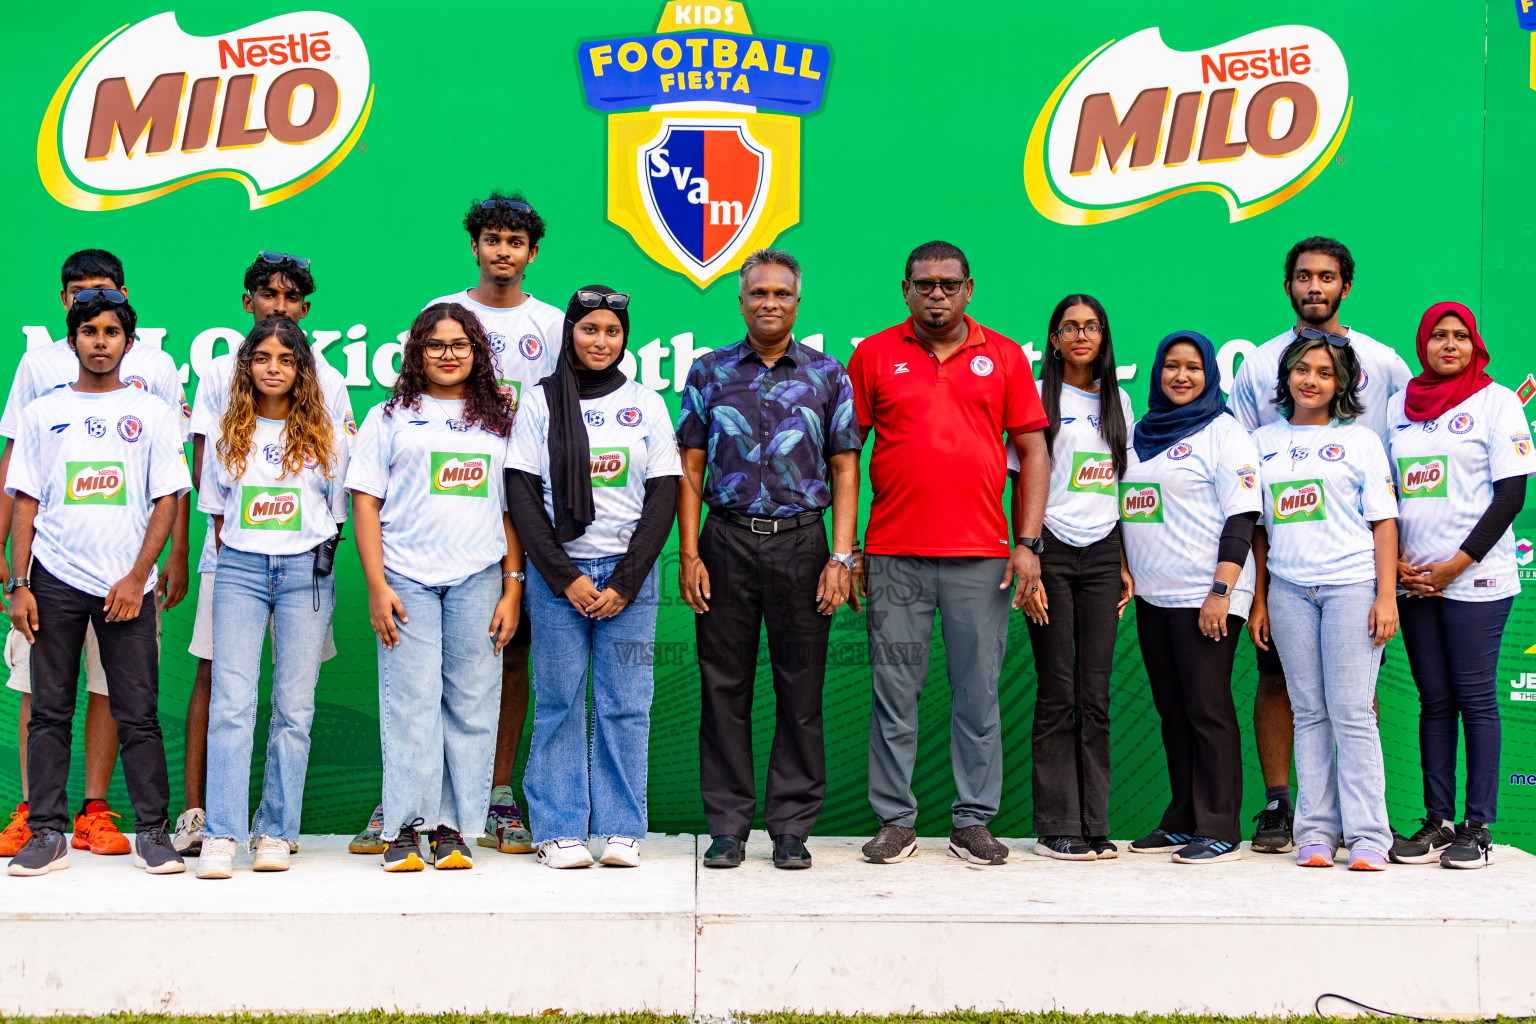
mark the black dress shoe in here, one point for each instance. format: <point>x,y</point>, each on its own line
<point>790,853</point>
<point>725,852</point>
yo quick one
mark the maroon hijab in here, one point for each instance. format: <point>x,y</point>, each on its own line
<point>1430,395</point>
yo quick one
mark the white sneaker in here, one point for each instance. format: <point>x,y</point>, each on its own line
<point>271,854</point>
<point>564,853</point>
<point>216,858</point>
<point>188,839</point>
<point>621,852</point>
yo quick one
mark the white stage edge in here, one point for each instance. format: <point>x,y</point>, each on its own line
<point>336,933</point>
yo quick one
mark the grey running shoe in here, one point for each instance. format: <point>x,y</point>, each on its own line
<point>975,844</point>
<point>1065,848</point>
<point>449,850</point>
<point>370,839</point>
<point>891,844</point>
<point>46,851</point>
<point>154,852</point>
<point>1472,847</point>
<point>189,832</point>
<point>403,853</point>
<point>1426,845</point>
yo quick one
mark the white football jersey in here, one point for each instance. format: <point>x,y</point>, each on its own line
<point>1382,375</point>
<point>525,340</point>
<point>1082,507</point>
<point>44,369</point>
<point>267,512</point>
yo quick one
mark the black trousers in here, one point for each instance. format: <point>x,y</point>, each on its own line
<point>1074,656</point>
<point>759,580</point>
<point>1191,678</point>
<point>131,659</point>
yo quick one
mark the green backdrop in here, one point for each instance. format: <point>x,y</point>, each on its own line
<point>921,134</point>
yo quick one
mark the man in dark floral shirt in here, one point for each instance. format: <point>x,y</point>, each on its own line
<point>770,441</point>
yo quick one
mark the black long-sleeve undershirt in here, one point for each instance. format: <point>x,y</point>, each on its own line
<point>1508,500</point>
<point>1236,538</point>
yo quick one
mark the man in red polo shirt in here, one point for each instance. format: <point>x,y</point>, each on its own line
<point>939,391</point>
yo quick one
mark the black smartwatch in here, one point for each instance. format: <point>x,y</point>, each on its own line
<point>1035,544</point>
<point>1220,589</point>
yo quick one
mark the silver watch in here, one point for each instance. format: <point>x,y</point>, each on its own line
<point>520,577</point>
<point>846,561</point>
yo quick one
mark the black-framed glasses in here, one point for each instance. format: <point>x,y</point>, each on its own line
<point>1092,330</point>
<point>925,286</point>
<point>280,258</point>
<point>1313,334</point>
<point>110,294</point>
<point>511,204</point>
<point>592,300</point>
<point>437,349</point>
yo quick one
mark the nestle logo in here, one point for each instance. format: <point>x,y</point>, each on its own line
<point>277,50</point>
<point>1239,65</point>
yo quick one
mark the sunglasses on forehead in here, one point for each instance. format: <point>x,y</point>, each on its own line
<point>511,204</point>
<point>112,295</point>
<point>280,258</point>
<point>592,300</point>
<point>1313,334</point>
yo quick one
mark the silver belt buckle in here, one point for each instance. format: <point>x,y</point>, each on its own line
<point>773,526</point>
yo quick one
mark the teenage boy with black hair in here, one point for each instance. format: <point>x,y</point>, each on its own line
<point>97,465</point>
<point>40,371</point>
<point>276,284</point>
<point>525,336</point>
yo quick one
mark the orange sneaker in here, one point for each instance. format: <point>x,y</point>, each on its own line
<point>16,833</point>
<point>94,830</point>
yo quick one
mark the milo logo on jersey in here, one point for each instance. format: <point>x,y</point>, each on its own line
<point>610,466</point>
<point>1093,472</point>
<point>270,508</point>
<point>1299,502</point>
<point>1428,477</point>
<point>95,483</point>
<point>462,473</point>
<point>1141,503</point>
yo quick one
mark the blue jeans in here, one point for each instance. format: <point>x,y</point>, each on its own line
<point>247,589</point>
<point>439,700</point>
<point>1323,634</point>
<point>578,789</point>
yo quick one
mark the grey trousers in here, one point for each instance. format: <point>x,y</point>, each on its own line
<point>904,591</point>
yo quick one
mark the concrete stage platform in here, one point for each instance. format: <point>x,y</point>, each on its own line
<point>1137,933</point>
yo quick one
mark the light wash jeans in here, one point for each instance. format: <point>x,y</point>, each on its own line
<point>247,589</point>
<point>1323,635</point>
<point>577,789</point>
<point>439,701</point>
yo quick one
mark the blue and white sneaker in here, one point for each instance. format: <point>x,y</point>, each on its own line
<point>1208,851</point>
<point>1159,841</point>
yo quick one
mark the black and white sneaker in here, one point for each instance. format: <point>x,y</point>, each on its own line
<point>46,851</point>
<point>1065,848</point>
<point>1276,822</point>
<point>975,844</point>
<point>891,844</point>
<point>1203,850</point>
<point>1472,847</point>
<point>154,850</point>
<point>1102,848</point>
<point>1426,845</point>
<point>1159,841</point>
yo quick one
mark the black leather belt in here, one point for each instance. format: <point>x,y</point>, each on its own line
<point>768,525</point>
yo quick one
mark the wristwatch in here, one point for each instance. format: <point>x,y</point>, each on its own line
<point>846,561</point>
<point>1220,589</point>
<point>1035,544</point>
<point>520,577</point>
<point>16,581</point>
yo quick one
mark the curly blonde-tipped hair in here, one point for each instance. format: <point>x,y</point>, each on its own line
<point>308,431</point>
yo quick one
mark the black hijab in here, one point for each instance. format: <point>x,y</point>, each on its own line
<point>570,456</point>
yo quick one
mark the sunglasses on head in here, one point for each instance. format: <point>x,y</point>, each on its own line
<point>592,300</point>
<point>279,258</point>
<point>1313,334</point>
<point>112,295</point>
<point>514,204</point>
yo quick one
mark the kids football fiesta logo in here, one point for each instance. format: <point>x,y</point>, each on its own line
<point>1136,123</point>
<point>703,176</point>
<point>150,109</point>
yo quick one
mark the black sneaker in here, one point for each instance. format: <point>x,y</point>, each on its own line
<point>1425,845</point>
<point>404,851</point>
<point>975,844</point>
<point>1274,832</point>
<point>449,850</point>
<point>1472,847</point>
<point>154,850</point>
<point>1158,841</point>
<point>725,852</point>
<point>891,844</point>
<point>1065,848</point>
<point>1202,850</point>
<point>1103,849</point>
<point>46,851</point>
<point>789,853</point>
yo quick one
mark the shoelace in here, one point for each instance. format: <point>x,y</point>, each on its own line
<point>155,836</point>
<point>1427,831</point>
<point>448,835</point>
<point>407,836</point>
<point>97,819</point>
<point>16,817</point>
<point>1271,819</point>
<point>1467,837</point>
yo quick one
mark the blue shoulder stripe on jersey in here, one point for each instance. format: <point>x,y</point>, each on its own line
<point>59,428</point>
<point>1271,455</point>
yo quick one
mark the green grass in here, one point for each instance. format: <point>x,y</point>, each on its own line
<point>958,1017</point>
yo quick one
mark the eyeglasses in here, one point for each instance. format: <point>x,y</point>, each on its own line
<point>592,300</point>
<point>1092,330</point>
<point>112,295</point>
<point>512,204</point>
<point>925,286</point>
<point>268,256</point>
<point>437,349</point>
<point>1313,334</point>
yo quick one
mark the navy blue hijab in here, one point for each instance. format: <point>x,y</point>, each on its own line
<point>1166,424</point>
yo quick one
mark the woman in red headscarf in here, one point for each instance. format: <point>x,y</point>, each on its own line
<point>1461,450</point>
